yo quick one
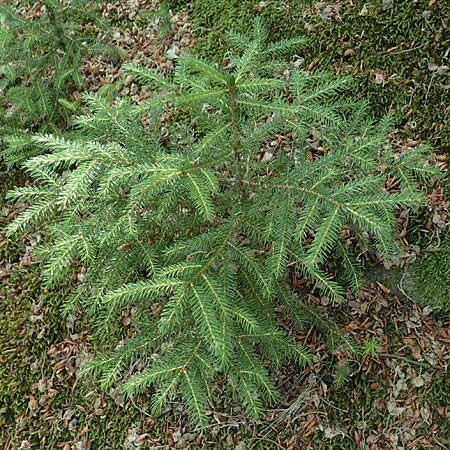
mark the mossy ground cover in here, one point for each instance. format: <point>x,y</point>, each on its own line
<point>44,404</point>
<point>432,275</point>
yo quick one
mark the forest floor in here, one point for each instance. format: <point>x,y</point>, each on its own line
<point>394,395</point>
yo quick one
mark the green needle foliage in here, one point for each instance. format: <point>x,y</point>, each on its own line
<point>185,211</point>
<point>40,66</point>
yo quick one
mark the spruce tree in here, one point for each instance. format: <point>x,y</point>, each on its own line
<point>187,209</point>
<point>41,58</point>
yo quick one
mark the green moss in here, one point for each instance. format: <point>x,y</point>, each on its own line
<point>17,338</point>
<point>213,19</point>
<point>390,52</point>
<point>432,276</point>
<point>25,362</point>
<point>438,396</point>
<point>438,393</point>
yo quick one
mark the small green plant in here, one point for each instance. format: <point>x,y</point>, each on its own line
<point>190,226</point>
<point>370,347</point>
<point>40,66</point>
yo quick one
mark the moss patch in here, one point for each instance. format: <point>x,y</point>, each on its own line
<point>41,401</point>
<point>432,276</point>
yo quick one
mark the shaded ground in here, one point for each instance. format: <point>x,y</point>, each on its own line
<point>394,395</point>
